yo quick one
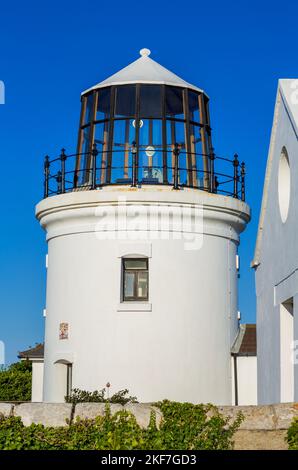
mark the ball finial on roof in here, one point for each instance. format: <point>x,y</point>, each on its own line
<point>145,52</point>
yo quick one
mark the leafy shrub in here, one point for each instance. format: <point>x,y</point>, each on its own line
<point>292,435</point>
<point>15,382</point>
<point>184,426</point>
<point>188,426</point>
<point>99,396</point>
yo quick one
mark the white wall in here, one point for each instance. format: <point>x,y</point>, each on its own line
<point>277,253</point>
<point>286,352</point>
<point>246,380</point>
<point>175,346</point>
<point>37,381</point>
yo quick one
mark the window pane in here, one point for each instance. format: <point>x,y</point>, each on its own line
<point>150,101</point>
<point>135,264</point>
<point>174,102</point>
<point>150,151</point>
<point>142,287</point>
<point>89,108</point>
<point>193,106</point>
<point>125,101</point>
<point>103,104</point>
<point>129,284</point>
<point>176,134</point>
<point>124,135</point>
<point>101,135</point>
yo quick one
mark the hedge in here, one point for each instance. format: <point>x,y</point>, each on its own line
<point>184,427</point>
<point>292,435</point>
<point>15,382</point>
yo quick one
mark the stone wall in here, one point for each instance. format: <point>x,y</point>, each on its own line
<point>264,427</point>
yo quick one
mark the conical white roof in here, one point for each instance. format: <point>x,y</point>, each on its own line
<point>144,70</point>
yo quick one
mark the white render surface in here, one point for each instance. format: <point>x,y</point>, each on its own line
<point>276,254</point>
<point>37,381</point>
<point>179,348</point>
<point>247,380</point>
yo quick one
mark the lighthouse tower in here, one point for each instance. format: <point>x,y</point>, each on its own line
<point>142,225</point>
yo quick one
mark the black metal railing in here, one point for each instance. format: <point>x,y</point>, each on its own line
<point>63,174</point>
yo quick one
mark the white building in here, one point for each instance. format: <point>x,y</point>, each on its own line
<point>36,357</point>
<point>142,226</point>
<point>276,256</point>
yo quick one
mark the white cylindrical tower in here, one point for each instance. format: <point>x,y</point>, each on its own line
<point>142,225</point>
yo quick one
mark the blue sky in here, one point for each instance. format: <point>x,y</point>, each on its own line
<point>51,51</point>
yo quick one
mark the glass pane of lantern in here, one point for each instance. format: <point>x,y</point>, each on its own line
<point>150,151</point>
<point>193,106</point>
<point>125,101</point>
<point>135,264</point>
<point>101,135</point>
<point>89,108</point>
<point>129,279</point>
<point>176,134</point>
<point>150,101</point>
<point>196,155</point>
<point>174,102</point>
<point>142,286</point>
<point>103,104</point>
<point>123,136</point>
<point>84,173</point>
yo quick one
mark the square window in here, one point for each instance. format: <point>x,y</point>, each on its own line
<point>135,279</point>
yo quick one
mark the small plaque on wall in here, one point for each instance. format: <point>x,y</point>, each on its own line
<point>63,330</point>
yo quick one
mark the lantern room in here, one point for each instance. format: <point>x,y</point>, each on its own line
<point>144,125</point>
<point>134,122</point>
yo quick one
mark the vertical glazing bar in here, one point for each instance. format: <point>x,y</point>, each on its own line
<point>187,138</point>
<point>103,166</point>
<point>176,152</point>
<point>212,158</point>
<point>205,150</point>
<point>150,140</point>
<point>46,175</point>
<point>236,176</point>
<point>88,168</point>
<point>164,138</point>
<point>137,141</point>
<point>111,136</point>
<point>243,181</point>
<point>80,141</point>
<point>126,149</point>
<point>134,164</point>
<point>94,154</point>
<point>63,159</point>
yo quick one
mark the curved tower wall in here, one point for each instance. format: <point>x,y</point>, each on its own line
<point>176,345</point>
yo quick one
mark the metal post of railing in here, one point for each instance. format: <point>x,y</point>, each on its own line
<point>216,184</point>
<point>236,176</point>
<point>134,164</point>
<point>59,182</point>
<point>94,154</point>
<point>46,176</point>
<point>176,153</point>
<point>212,157</point>
<point>62,158</point>
<point>243,181</point>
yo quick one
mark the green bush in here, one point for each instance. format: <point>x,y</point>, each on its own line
<point>184,426</point>
<point>292,435</point>
<point>99,396</point>
<point>15,382</point>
